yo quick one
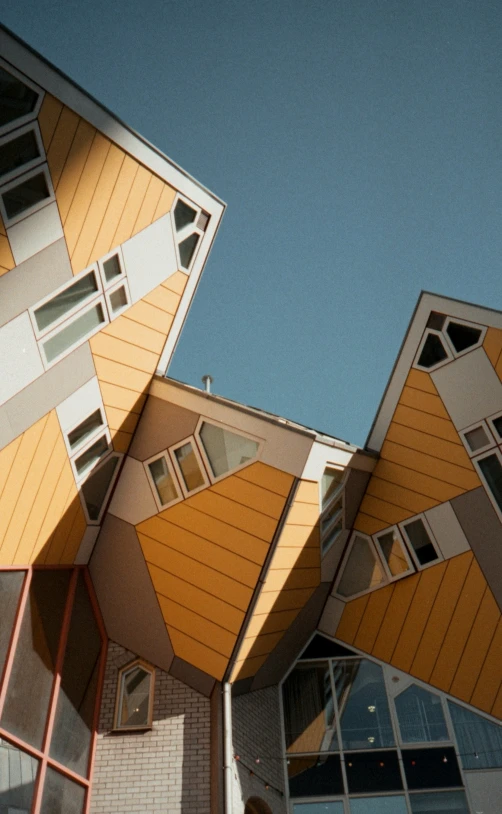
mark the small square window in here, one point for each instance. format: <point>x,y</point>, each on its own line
<point>420,539</point>
<point>112,268</point>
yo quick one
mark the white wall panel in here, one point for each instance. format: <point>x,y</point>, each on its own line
<point>150,257</point>
<point>469,387</point>
<point>80,404</point>
<point>447,530</point>
<point>34,233</point>
<point>21,362</point>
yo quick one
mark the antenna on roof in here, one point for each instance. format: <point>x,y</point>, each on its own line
<point>207,380</point>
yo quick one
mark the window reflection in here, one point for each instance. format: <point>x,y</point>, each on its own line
<point>479,740</point>
<point>362,705</point>
<point>420,716</point>
<point>309,715</point>
<point>18,772</point>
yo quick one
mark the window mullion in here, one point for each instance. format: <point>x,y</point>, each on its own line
<point>15,636</point>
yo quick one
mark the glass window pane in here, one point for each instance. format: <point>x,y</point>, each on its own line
<point>392,550</point>
<point>25,195</point>
<point>18,773</point>
<point>18,151</point>
<point>136,687</point>
<point>420,716</point>
<point>433,352</point>
<point>362,704</point>
<point>187,248</point>
<point>372,772</point>
<point>94,489</point>
<point>226,450</point>
<point>118,299</point>
<point>330,484</point>
<point>333,532</point>
<point>163,480</point>
<point>91,455</point>
<point>74,332</point>
<point>362,570</point>
<point>62,303</point>
<point>479,741</point>
<point>322,648</point>
<point>332,516</point>
<point>462,336</point>
<point>431,768</point>
<point>378,805</point>
<point>497,423</point>
<point>442,802</point>
<point>183,215</point>
<point>61,795</point>
<point>112,268</point>
<point>421,542</point>
<point>436,320</point>
<point>309,715</point>
<point>333,807</point>
<point>73,723</point>
<point>477,439</point>
<point>85,429</point>
<point>492,470</point>
<point>316,776</point>
<point>25,710</point>
<point>189,466</point>
<point>10,588</point>
<point>16,99</point>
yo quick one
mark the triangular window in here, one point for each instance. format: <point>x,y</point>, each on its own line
<point>420,716</point>
<point>479,740</point>
<point>226,450</point>
<point>433,352</point>
<point>463,336</point>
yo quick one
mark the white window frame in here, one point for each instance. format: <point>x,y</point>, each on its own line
<point>411,550</point>
<point>116,280</point>
<point>123,671</point>
<point>236,431</point>
<point>192,440</point>
<point>489,434</point>
<point>468,324</point>
<point>76,450</point>
<point>411,567</point>
<point>106,321</point>
<point>33,126</point>
<point>345,559</point>
<point>186,231</point>
<point>121,283</point>
<point>495,451</point>
<point>449,355</point>
<point>40,168</point>
<point>28,117</point>
<point>102,432</point>
<point>39,333</point>
<point>161,506</point>
<point>97,522</point>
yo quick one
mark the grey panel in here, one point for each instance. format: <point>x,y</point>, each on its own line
<point>469,388</point>
<point>162,424</point>
<point>355,488</point>
<point>483,530</point>
<point>192,676</point>
<point>126,595</point>
<point>46,392</point>
<point>293,640</point>
<point>34,279</point>
<point>485,791</point>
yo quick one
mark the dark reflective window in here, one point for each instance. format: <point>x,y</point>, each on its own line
<point>25,195</point>
<point>309,715</point>
<point>462,336</point>
<point>96,486</point>
<point>421,542</point>
<point>420,716</point>
<point>373,771</point>
<point>315,776</point>
<point>18,151</point>
<point>187,248</point>
<point>16,99</point>
<point>492,470</point>
<point>18,772</point>
<point>183,215</point>
<point>433,352</point>
<point>479,741</point>
<point>362,705</point>
<point>322,648</point>
<point>61,795</point>
<point>30,683</point>
<point>135,697</point>
<point>440,802</point>
<point>71,736</point>
<point>431,768</point>
<point>436,320</point>
<point>10,587</point>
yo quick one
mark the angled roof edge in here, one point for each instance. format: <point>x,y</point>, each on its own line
<point>426,303</point>
<point>39,70</point>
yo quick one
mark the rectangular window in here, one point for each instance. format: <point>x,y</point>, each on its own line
<point>66,302</point>
<point>117,299</point>
<point>91,456</point>
<point>189,466</point>
<point>491,470</point>
<point>26,194</point>
<point>74,332</point>
<point>85,430</point>
<point>165,484</point>
<point>20,153</point>
<point>393,553</point>
<point>421,542</point>
<point>96,489</point>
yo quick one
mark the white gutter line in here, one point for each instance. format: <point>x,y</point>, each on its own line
<point>228,756</point>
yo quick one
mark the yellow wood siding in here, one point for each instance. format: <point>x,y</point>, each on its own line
<point>6,258</point>
<point>104,195</point>
<point>293,576</point>
<point>442,626</point>
<point>41,517</point>
<point>493,346</point>
<point>205,557</point>
<point>126,354</point>
<point>422,462</point>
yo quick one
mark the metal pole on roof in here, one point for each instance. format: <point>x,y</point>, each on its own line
<point>207,381</point>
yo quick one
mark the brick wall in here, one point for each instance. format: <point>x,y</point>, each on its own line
<point>163,771</point>
<point>256,726</point>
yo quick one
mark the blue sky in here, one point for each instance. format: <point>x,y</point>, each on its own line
<point>358,145</point>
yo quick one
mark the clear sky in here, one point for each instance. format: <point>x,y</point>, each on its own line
<point>358,145</point>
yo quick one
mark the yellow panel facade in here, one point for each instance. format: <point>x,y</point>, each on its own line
<point>205,557</point>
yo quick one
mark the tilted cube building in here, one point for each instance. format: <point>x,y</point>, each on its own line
<point>205,607</point>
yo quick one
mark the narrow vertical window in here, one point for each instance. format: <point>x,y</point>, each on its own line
<point>165,486</point>
<point>135,697</point>
<point>189,466</point>
<point>421,542</point>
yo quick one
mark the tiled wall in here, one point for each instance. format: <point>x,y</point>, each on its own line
<point>163,770</point>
